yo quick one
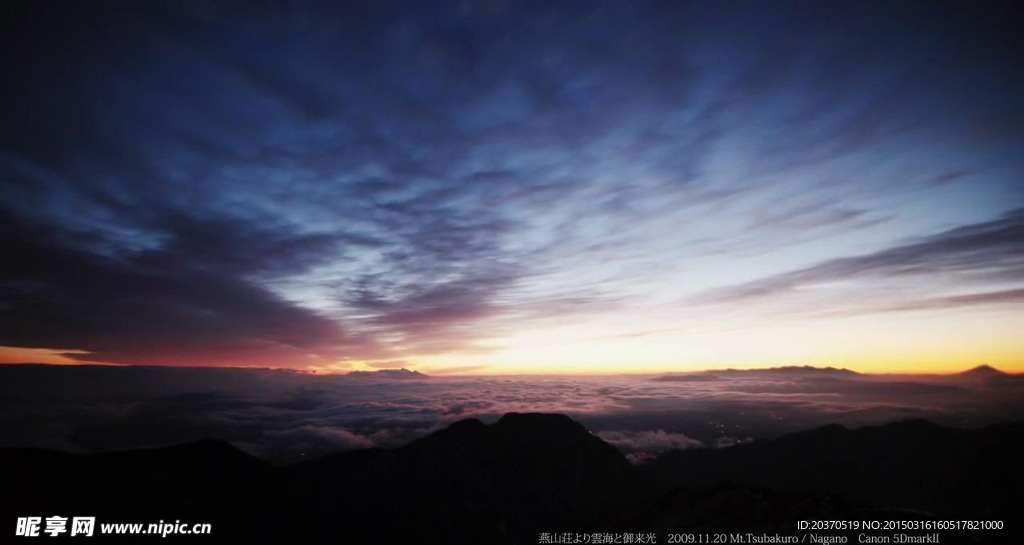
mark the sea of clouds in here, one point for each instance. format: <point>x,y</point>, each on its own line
<point>286,415</point>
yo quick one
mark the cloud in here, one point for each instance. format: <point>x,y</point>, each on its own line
<point>641,445</point>
<point>1004,297</point>
<point>143,309</point>
<point>320,438</point>
<point>286,415</point>
<point>256,185</point>
<point>992,249</point>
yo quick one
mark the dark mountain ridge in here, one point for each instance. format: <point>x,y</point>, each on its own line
<point>913,465</point>
<point>531,473</point>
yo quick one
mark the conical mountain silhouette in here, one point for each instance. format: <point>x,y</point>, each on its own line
<point>983,371</point>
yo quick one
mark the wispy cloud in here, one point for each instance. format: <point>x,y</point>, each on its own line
<point>992,250</point>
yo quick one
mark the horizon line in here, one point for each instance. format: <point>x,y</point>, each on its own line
<point>324,373</point>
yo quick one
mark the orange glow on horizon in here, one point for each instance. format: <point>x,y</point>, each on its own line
<point>12,354</point>
<point>889,343</point>
<point>498,365</point>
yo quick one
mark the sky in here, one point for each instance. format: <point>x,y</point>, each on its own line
<point>513,187</point>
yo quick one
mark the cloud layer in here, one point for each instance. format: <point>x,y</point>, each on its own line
<point>286,416</point>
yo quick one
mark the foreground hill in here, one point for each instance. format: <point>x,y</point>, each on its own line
<point>911,465</point>
<point>531,473</point>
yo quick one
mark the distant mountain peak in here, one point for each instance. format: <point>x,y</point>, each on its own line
<point>399,374</point>
<point>789,370</point>
<point>811,369</point>
<point>982,371</point>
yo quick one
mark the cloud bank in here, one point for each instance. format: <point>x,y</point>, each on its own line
<point>286,415</point>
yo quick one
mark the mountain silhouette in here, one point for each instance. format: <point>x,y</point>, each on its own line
<point>982,372</point>
<point>525,474</point>
<point>392,374</point>
<point>791,371</point>
<point>912,465</point>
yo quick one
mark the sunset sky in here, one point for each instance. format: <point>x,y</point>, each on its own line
<point>513,187</point>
